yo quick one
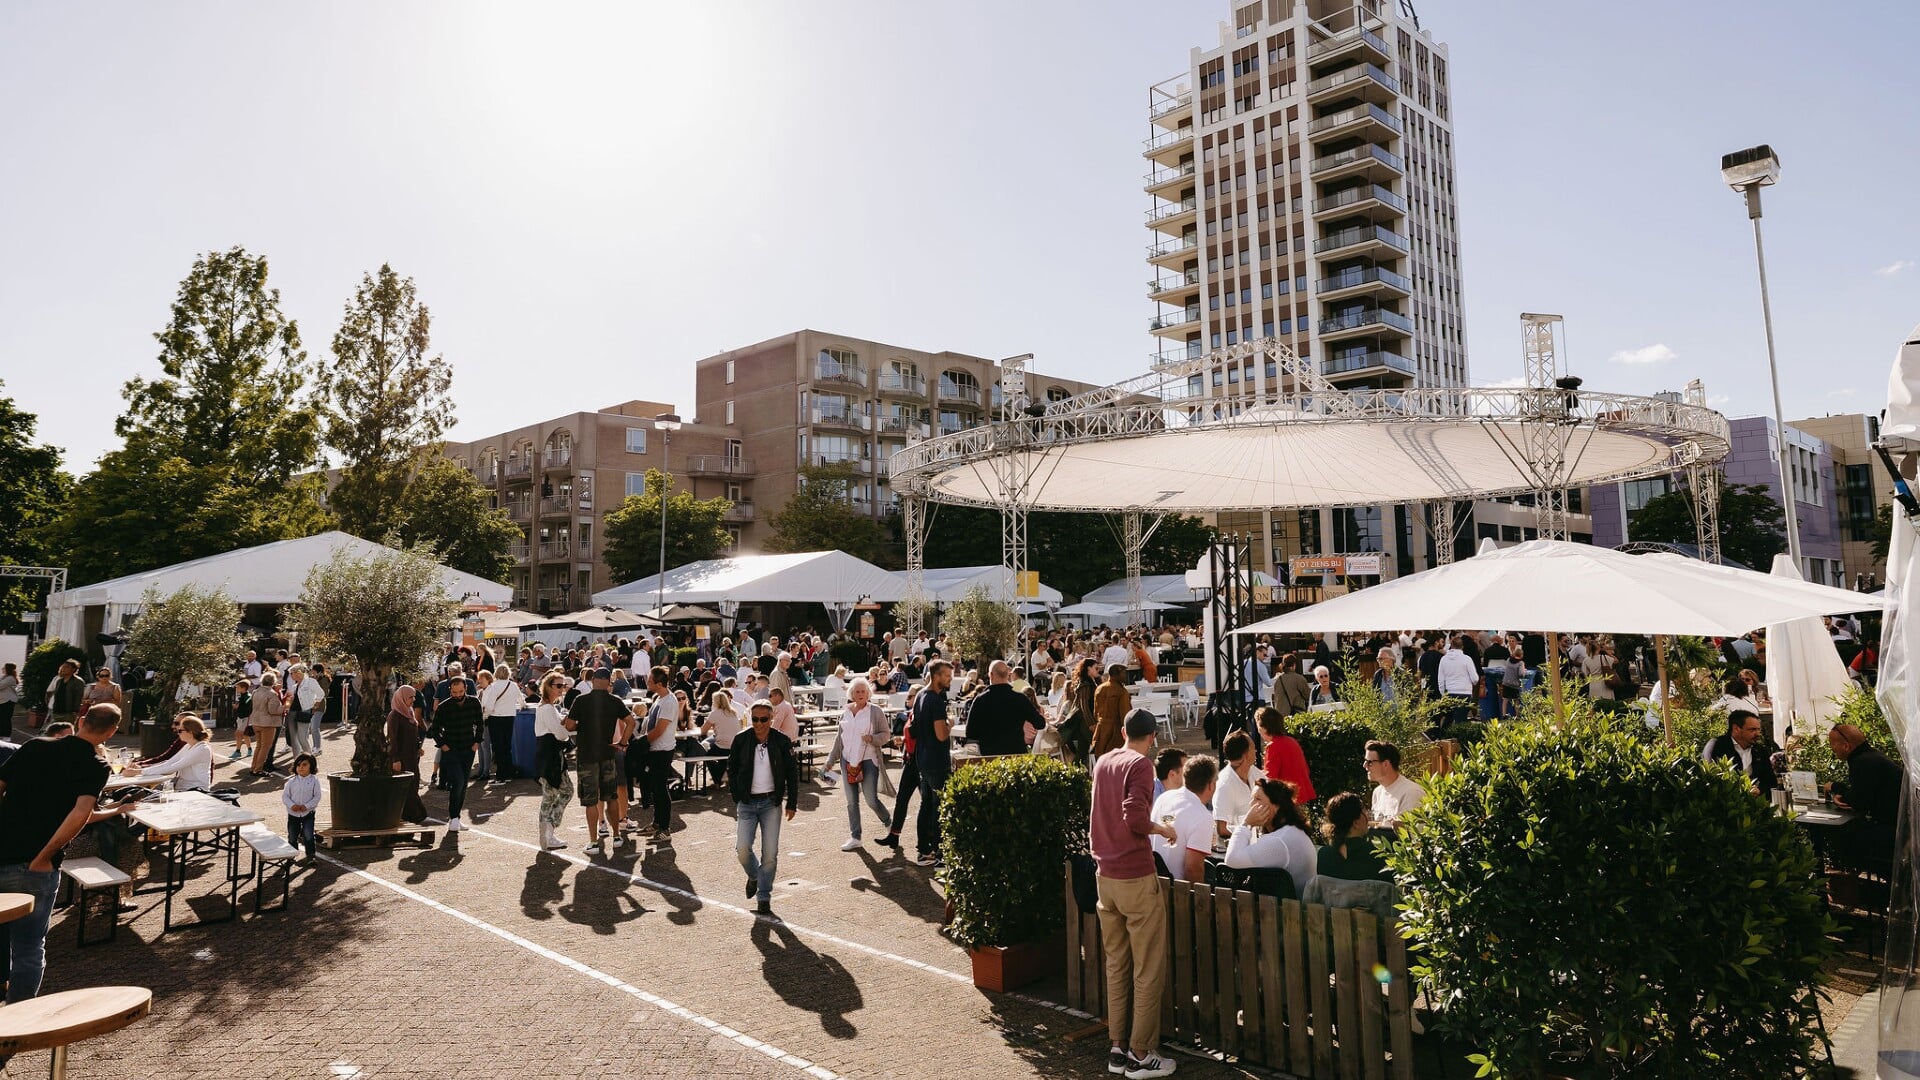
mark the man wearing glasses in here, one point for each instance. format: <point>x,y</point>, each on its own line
<point>762,774</point>
<point>1396,794</point>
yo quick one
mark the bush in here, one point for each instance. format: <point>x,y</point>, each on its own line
<point>1585,902</point>
<point>1007,826</point>
<point>43,663</point>
<point>1335,743</point>
<point>685,658</point>
<point>1859,708</point>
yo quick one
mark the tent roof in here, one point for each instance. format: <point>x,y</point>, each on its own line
<point>950,584</point>
<point>807,577</point>
<point>267,574</point>
<point>1165,588</point>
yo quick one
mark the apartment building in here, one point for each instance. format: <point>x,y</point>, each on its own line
<point>558,479</point>
<point>1860,486</point>
<point>815,398</point>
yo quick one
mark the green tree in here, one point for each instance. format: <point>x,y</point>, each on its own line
<point>187,636</point>
<point>631,535</point>
<point>221,451</point>
<point>446,508</point>
<point>1752,527</point>
<point>820,517</point>
<point>384,403</point>
<point>1075,553</point>
<point>380,614</point>
<point>32,490</point>
<point>1882,531</point>
<point>980,627</point>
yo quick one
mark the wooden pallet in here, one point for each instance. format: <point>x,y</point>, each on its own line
<point>420,834</point>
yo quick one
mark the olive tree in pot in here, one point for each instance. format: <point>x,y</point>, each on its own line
<point>187,636</point>
<point>981,628</point>
<point>1007,826</point>
<point>1589,904</point>
<point>382,614</point>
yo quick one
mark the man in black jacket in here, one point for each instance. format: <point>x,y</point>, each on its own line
<point>762,774</point>
<point>457,725</point>
<point>1873,789</point>
<point>1741,745</point>
<point>997,719</point>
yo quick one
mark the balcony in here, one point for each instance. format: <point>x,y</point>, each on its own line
<point>955,426</point>
<point>957,393</point>
<point>517,468</point>
<point>1371,120</point>
<point>520,510</point>
<point>1362,280</point>
<point>488,475</point>
<point>838,458</point>
<point>1174,250</point>
<point>1369,363</point>
<point>555,600</point>
<point>1366,160</point>
<point>1366,81</point>
<point>896,384</point>
<point>556,505</point>
<point>717,465</point>
<point>556,549</point>
<point>1169,106</point>
<point>1361,322</point>
<point>1191,352</point>
<point>1167,286</point>
<point>842,374</point>
<point>1171,210</point>
<point>1160,178</point>
<point>740,513</point>
<point>850,419</point>
<point>518,550</point>
<point>910,426</point>
<point>1163,139</point>
<point>1175,321</point>
<point>1356,40</point>
<point>557,457</point>
<point>1371,200</point>
<point>1362,239</point>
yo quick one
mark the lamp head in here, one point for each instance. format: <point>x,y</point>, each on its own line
<point>667,421</point>
<point>1756,166</point>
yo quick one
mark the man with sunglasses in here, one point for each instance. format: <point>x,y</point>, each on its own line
<point>762,773</point>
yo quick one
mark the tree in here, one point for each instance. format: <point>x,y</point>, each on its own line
<point>382,613</point>
<point>384,404</point>
<point>1882,531</point>
<point>1075,553</point>
<point>221,451</point>
<point>631,535</point>
<point>191,636</point>
<point>32,491</point>
<point>981,627</point>
<point>821,517</point>
<point>446,509</point>
<point>1752,528</point>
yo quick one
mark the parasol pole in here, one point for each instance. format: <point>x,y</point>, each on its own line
<point>1553,678</point>
<point>1666,690</point>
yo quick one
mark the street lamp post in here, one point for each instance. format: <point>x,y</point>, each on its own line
<point>668,423</point>
<point>1747,171</point>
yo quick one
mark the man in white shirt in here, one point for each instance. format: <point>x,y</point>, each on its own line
<point>1185,808</point>
<point>1396,794</point>
<point>253,667</point>
<point>897,648</point>
<point>920,644</point>
<point>1116,653</point>
<point>663,718</point>
<point>1234,794</point>
<point>642,660</point>
<point>1458,680</point>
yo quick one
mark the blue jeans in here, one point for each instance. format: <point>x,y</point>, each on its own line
<point>456,765</point>
<point>869,788</point>
<point>760,813</point>
<point>300,831</point>
<point>27,936</point>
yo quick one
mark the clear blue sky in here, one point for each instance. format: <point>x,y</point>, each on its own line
<point>591,197</point>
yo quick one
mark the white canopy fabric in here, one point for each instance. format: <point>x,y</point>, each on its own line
<point>1168,589</point>
<point>603,618</point>
<point>809,577</point>
<point>1094,611</point>
<point>1556,585</point>
<point>1899,694</point>
<point>269,574</point>
<point>1804,672</point>
<point>949,585</point>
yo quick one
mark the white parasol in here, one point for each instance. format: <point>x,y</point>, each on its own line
<point>1804,672</point>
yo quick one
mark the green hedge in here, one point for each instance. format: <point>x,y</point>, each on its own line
<point>1007,825</point>
<point>1335,743</point>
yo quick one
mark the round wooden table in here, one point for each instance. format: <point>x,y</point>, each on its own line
<point>56,1021</point>
<point>15,905</point>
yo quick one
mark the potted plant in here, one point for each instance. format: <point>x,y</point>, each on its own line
<point>188,636</point>
<point>1006,826</point>
<point>380,614</point>
<point>980,627</point>
<point>1589,903</point>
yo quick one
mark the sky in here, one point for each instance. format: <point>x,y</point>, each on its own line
<point>592,196</point>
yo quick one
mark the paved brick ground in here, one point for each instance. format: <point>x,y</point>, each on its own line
<point>480,957</point>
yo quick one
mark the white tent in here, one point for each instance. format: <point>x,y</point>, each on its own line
<point>1169,589</point>
<point>270,574</point>
<point>808,577</point>
<point>949,585</point>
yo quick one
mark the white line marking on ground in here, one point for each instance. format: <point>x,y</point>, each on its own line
<point>658,1002</point>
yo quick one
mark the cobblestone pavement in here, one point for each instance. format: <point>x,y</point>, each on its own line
<point>478,956</point>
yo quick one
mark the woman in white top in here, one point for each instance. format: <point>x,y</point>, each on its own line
<point>863,731</point>
<point>500,700</point>
<point>551,732</point>
<point>9,694</point>
<point>1058,693</point>
<point>723,722</point>
<point>192,767</point>
<point>1282,842</point>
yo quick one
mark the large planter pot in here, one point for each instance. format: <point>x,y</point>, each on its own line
<point>155,738</point>
<point>1009,967</point>
<point>360,804</point>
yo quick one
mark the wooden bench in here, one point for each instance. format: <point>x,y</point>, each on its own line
<point>697,766</point>
<point>56,1021</point>
<point>269,847</point>
<point>88,876</point>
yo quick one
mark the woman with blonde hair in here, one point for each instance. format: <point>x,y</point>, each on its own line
<point>553,733</point>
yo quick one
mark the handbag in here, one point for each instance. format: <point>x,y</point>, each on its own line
<point>856,772</point>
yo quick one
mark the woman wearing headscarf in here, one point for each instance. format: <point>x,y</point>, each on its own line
<point>403,747</point>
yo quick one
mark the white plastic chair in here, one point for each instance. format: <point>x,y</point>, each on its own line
<point>1190,704</point>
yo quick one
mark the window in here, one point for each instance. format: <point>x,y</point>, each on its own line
<point>636,483</point>
<point>729,419</point>
<point>1356,528</point>
<point>1860,511</point>
<point>1640,492</point>
<point>636,440</point>
<point>729,373</point>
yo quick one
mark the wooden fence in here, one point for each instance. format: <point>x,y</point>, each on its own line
<point>1315,991</point>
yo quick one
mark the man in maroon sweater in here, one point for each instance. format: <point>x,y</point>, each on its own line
<point>1133,906</point>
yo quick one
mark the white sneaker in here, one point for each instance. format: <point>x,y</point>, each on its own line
<point>1149,1066</point>
<point>852,844</point>
<point>455,826</point>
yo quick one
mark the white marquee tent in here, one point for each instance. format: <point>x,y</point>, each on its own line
<point>949,585</point>
<point>807,577</point>
<point>1164,588</point>
<point>270,574</point>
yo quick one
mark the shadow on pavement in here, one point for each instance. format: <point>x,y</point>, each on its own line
<point>807,980</point>
<point>602,901</point>
<point>424,864</point>
<point>663,866</point>
<point>542,889</point>
<point>913,892</point>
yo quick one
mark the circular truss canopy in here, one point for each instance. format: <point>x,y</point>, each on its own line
<point>1156,444</point>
